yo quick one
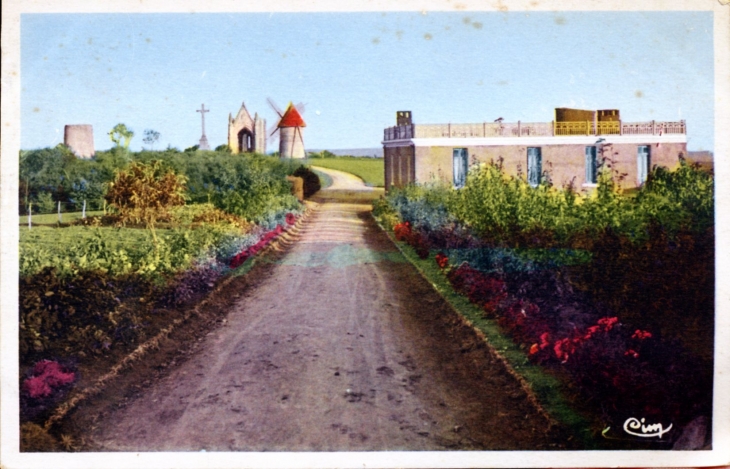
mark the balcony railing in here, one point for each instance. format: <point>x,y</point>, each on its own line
<point>533,129</point>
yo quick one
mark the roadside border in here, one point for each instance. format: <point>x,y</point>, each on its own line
<point>543,390</point>
<point>154,343</point>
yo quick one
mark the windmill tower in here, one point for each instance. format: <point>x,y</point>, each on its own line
<point>291,139</point>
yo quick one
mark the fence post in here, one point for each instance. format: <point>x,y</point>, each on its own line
<point>30,214</point>
<point>83,210</point>
<point>653,127</point>
<point>620,127</point>
<point>519,129</point>
<point>59,211</point>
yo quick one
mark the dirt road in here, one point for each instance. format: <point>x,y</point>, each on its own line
<point>342,346</point>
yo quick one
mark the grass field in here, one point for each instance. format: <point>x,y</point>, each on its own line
<point>51,218</point>
<point>370,170</point>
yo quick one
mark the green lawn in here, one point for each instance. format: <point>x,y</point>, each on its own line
<point>51,218</point>
<point>370,170</point>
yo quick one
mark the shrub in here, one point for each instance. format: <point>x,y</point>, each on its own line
<point>311,180</point>
<point>144,193</point>
<point>486,291</point>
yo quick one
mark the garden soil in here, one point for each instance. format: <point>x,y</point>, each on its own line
<point>334,344</point>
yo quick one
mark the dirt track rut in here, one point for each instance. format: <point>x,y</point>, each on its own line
<point>343,346</point>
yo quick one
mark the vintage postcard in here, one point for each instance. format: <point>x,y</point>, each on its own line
<point>365,234</point>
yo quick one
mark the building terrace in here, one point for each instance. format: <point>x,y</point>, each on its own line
<point>533,129</point>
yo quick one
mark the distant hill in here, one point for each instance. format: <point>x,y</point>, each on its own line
<point>363,152</point>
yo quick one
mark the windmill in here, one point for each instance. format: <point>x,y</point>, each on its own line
<point>291,139</point>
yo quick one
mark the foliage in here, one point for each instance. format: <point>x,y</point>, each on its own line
<point>143,193</point>
<point>506,210</point>
<point>188,284</point>
<point>321,154</point>
<point>206,214</point>
<point>151,137</point>
<point>665,284</point>
<point>404,232</point>
<point>225,148</point>
<point>251,185</point>
<point>81,313</point>
<point>615,291</point>
<point>34,438</point>
<point>311,180</point>
<point>45,203</point>
<point>615,367</point>
<point>120,132</point>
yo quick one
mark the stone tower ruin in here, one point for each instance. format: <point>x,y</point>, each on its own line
<point>246,135</point>
<point>80,139</point>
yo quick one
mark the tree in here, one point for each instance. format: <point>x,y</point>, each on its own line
<point>151,137</point>
<point>144,193</point>
<point>119,132</point>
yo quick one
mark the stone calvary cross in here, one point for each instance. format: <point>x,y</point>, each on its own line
<point>203,144</point>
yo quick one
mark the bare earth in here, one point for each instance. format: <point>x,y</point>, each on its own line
<point>341,346</point>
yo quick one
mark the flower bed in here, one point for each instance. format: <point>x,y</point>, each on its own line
<point>620,367</point>
<point>90,315</point>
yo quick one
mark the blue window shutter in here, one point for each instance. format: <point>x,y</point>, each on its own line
<point>642,163</point>
<point>591,165</point>
<point>460,166</point>
<point>534,166</point>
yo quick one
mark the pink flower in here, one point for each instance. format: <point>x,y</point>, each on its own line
<point>46,376</point>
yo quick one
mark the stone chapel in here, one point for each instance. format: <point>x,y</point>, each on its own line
<point>246,135</point>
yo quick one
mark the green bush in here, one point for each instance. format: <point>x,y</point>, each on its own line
<point>45,203</point>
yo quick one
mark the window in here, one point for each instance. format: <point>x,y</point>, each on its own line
<point>461,162</point>
<point>534,166</point>
<point>591,165</point>
<point>643,163</point>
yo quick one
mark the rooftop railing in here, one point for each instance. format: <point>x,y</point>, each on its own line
<point>533,129</point>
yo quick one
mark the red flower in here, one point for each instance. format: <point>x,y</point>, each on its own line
<point>534,349</point>
<point>544,342</point>
<point>564,348</point>
<point>641,335</point>
<point>608,323</point>
<point>590,331</point>
<point>402,231</point>
<point>442,260</point>
<point>631,353</point>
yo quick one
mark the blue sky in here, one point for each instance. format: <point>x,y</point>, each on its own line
<point>353,71</point>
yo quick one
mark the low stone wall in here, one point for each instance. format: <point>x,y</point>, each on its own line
<point>297,187</point>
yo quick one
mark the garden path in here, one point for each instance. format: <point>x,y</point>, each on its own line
<point>342,346</point>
